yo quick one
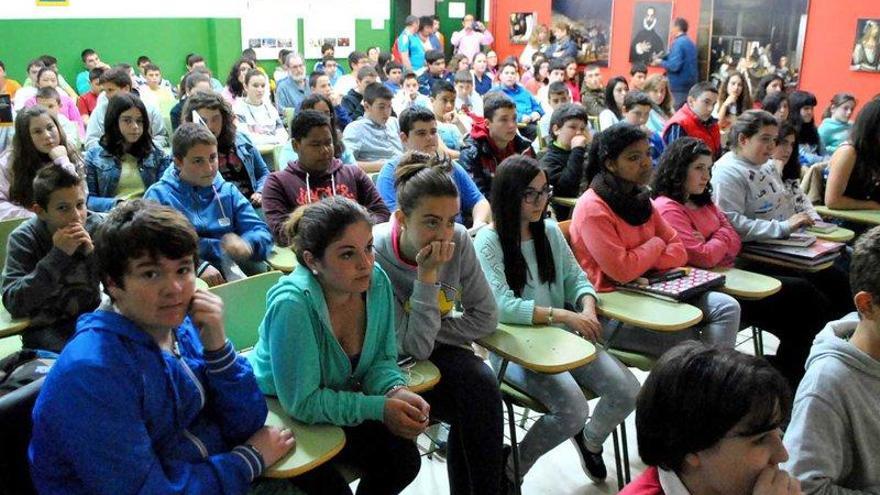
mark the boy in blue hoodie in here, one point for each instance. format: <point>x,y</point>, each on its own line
<point>149,396</point>
<point>232,237</point>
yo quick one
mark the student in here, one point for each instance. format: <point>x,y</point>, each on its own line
<point>162,94</point>
<point>51,274</point>
<point>48,78</point>
<point>29,88</point>
<point>834,425</point>
<point>7,86</point>
<point>492,140</point>
<point>443,104</point>
<point>777,104</point>
<point>113,81</point>
<point>467,99</point>
<point>125,162</point>
<point>709,420</point>
<point>280,72</point>
<point>233,240</point>
<point>835,127</point>
<point>195,61</point>
<point>558,95</point>
<point>409,96</point>
<point>564,46</point>
<point>572,80</point>
<point>322,104</point>
<point>802,117</point>
<point>195,81</point>
<point>617,236</point>
<point>637,108</point>
<point>257,118</point>
<point>557,75</point>
<point>768,85</point>
<point>50,99</point>
<point>592,94</point>
<point>492,65</point>
<point>353,101</point>
<point>166,405</point>
<point>528,110</point>
<point>91,61</point>
<point>615,93</point>
<point>316,174</point>
<point>374,138</point>
<point>319,83</point>
<point>329,66</point>
<point>347,82</point>
<point>638,74</point>
<point>534,278</point>
<point>749,191</point>
<point>235,82</point>
<point>238,159</point>
<point>394,76</point>
<point>683,196</point>
<point>51,62</point>
<point>657,87</point>
<point>482,77</point>
<point>436,71</point>
<point>433,267</point>
<point>88,100</point>
<point>788,171</point>
<point>292,90</point>
<point>733,99</point>
<point>331,327</point>
<point>38,141</point>
<point>695,119</point>
<point>564,160</point>
<point>854,178</point>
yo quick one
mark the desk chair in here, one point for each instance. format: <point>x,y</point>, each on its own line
<point>245,305</point>
<point>6,228</point>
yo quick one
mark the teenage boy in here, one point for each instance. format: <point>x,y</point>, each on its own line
<point>197,80</point>
<point>356,60</point>
<point>91,60</point>
<point>491,140</point>
<point>638,73</point>
<point>280,71</point>
<point>49,98</point>
<point>328,65</point>
<point>636,111</point>
<point>467,100</point>
<point>374,138</point>
<point>314,175</point>
<point>419,134</point>
<point>558,94</point>
<point>29,88</point>
<point>319,83</point>
<point>196,61</point>
<point>528,110</point>
<point>443,105</point>
<point>409,96</point>
<point>51,271</point>
<point>593,91</point>
<point>436,71</point>
<point>150,396</point>
<point>352,102</point>
<point>87,101</point>
<point>832,437</point>
<point>118,80</point>
<point>695,119</point>
<point>293,89</point>
<point>161,94</point>
<point>564,160</point>
<point>233,240</point>
<point>557,74</point>
<point>394,76</point>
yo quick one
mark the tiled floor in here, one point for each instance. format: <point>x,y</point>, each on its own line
<point>559,471</point>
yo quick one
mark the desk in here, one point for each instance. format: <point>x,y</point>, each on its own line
<point>423,376</point>
<point>748,285</point>
<point>570,202</point>
<point>544,349</point>
<point>282,258</point>
<point>648,312</point>
<point>839,234</point>
<point>785,264</point>
<point>201,284</point>
<point>315,444</point>
<point>866,217</point>
<point>10,325</point>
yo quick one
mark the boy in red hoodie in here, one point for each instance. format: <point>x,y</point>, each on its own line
<point>315,175</point>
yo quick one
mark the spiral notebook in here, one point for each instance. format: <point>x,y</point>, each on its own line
<point>671,286</point>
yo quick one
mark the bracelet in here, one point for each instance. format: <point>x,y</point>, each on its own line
<point>550,316</point>
<point>394,390</point>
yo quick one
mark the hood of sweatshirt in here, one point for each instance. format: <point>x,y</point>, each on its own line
<point>833,343</point>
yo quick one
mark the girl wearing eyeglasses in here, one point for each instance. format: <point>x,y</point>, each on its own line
<point>534,277</point>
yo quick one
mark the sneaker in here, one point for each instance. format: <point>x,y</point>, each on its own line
<point>593,465</point>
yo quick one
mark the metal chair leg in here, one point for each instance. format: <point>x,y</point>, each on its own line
<point>625,460</point>
<point>524,418</point>
<point>514,448</point>
<point>758,340</point>
<point>617,465</point>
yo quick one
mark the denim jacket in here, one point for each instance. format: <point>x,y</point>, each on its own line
<point>252,159</point>
<point>103,171</point>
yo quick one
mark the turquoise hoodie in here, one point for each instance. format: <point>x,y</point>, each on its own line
<point>833,133</point>
<point>299,359</point>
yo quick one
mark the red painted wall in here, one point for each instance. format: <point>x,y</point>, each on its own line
<point>500,22</point>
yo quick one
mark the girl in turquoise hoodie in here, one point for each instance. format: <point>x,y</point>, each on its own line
<point>327,349</point>
<point>836,125</point>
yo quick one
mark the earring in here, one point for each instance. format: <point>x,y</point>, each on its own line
<point>315,272</point>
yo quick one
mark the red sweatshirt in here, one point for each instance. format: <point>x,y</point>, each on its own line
<point>706,233</point>
<point>646,484</point>
<point>611,250</point>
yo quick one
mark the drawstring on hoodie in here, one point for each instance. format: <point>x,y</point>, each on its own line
<point>309,187</point>
<point>224,222</point>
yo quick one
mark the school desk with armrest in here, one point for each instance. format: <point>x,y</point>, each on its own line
<point>866,217</point>
<point>767,260</point>
<point>422,376</point>
<point>839,234</point>
<point>562,201</point>
<point>11,326</point>
<point>6,228</point>
<point>315,444</point>
<point>244,305</point>
<point>282,259</point>
<point>749,286</point>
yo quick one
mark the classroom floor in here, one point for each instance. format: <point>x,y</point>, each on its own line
<point>559,472</point>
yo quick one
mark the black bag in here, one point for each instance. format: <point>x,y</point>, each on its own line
<point>22,367</point>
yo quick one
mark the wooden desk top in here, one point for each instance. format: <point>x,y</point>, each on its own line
<point>839,234</point>
<point>423,376</point>
<point>748,285</point>
<point>648,312</point>
<point>315,444</point>
<point>282,258</point>
<point>545,349</point>
<point>565,201</point>
<point>785,264</point>
<point>867,217</point>
<point>10,325</point>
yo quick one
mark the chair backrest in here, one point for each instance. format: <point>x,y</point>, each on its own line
<point>244,304</point>
<point>6,228</point>
<point>564,226</point>
<point>16,426</point>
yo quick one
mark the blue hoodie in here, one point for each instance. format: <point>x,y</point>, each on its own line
<point>525,102</point>
<point>208,211</point>
<point>118,415</point>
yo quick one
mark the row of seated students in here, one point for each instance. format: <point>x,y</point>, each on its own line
<point>426,263</point>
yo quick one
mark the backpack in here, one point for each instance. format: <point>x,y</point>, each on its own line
<point>23,367</point>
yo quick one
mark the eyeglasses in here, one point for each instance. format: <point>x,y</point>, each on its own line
<point>533,196</point>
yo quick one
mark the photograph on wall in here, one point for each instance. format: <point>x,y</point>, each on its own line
<point>650,31</point>
<point>329,22</point>
<point>267,29</point>
<point>590,22</point>
<point>757,39</point>
<point>521,26</point>
<point>866,49</point>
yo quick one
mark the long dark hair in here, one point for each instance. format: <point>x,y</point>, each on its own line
<point>26,160</point>
<point>791,170</point>
<point>865,138</point>
<point>511,180</point>
<point>672,171</point>
<point>610,102</point>
<point>213,101</point>
<point>807,132</point>
<point>744,101</point>
<point>608,145</point>
<point>235,86</point>
<point>761,90</point>
<point>113,141</point>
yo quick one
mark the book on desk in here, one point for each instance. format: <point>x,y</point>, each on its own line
<point>675,285</point>
<point>818,252</point>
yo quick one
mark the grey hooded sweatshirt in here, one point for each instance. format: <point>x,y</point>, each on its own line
<point>834,436</point>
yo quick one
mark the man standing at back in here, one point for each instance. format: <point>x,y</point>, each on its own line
<point>680,63</point>
<point>412,52</point>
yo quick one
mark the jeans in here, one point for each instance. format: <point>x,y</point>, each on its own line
<point>563,397</point>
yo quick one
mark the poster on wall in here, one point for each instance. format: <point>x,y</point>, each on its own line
<point>329,22</point>
<point>866,49</point>
<point>651,21</point>
<point>521,26</point>
<point>52,3</point>
<point>268,27</point>
<point>757,42</point>
<point>590,23</point>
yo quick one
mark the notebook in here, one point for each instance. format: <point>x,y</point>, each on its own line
<point>819,248</point>
<point>796,239</point>
<point>671,286</point>
<point>822,228</point>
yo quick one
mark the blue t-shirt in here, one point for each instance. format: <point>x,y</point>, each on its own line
<point>450,135</point>
<point>468,193</point>
<point>411,44</point>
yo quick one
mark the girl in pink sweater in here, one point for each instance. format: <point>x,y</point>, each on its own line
<point>617,236</point>
<point>684,199</point>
